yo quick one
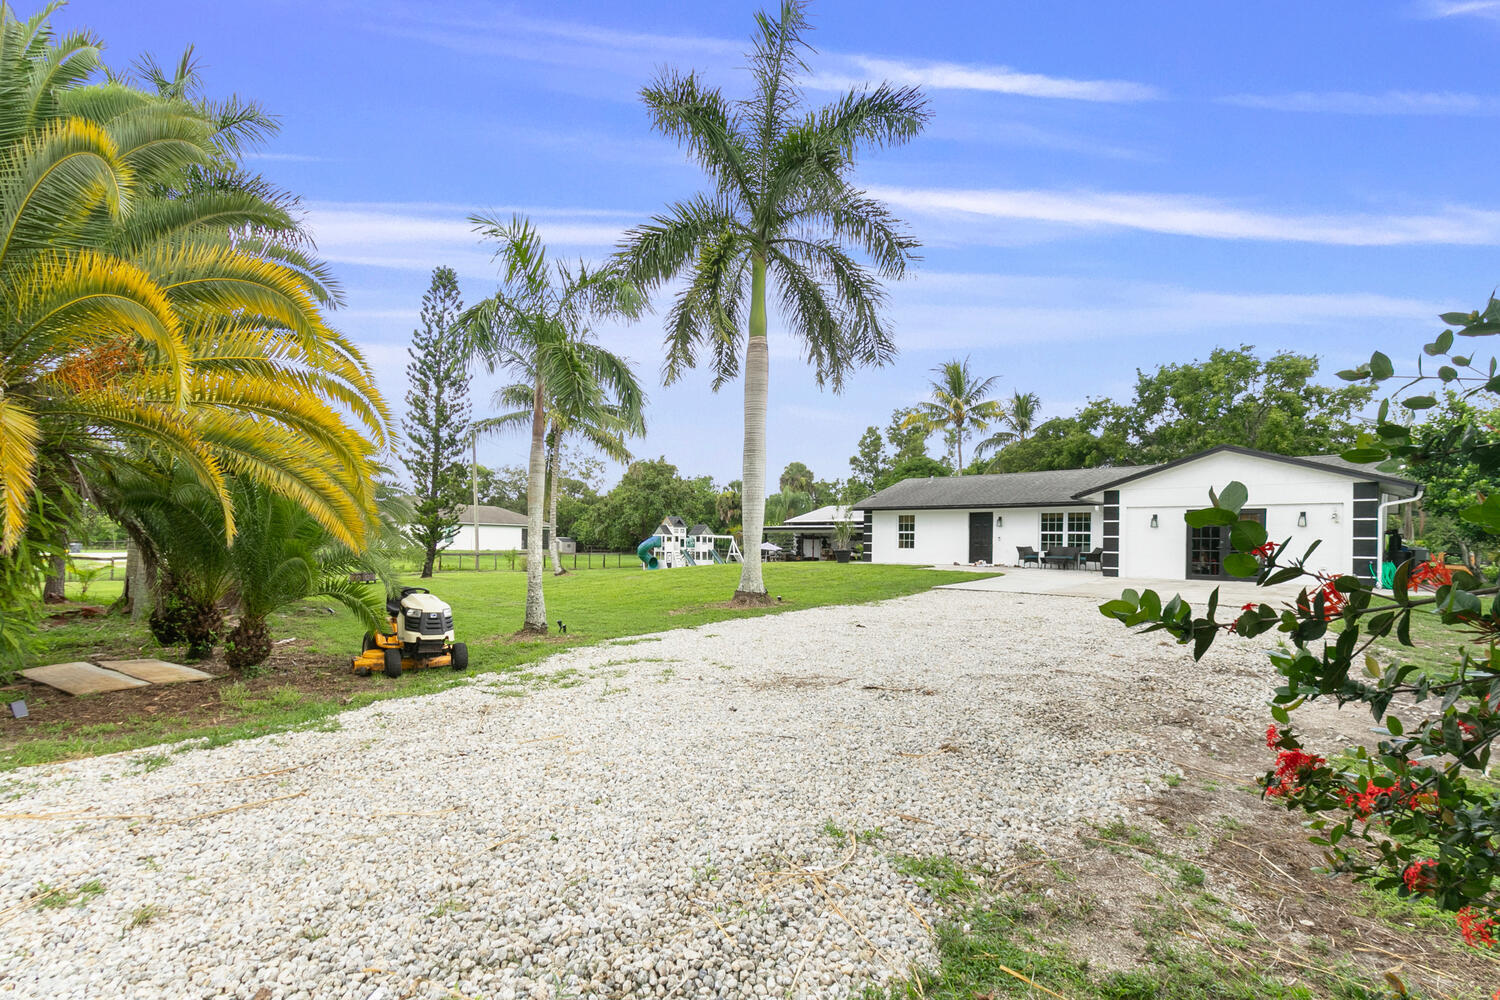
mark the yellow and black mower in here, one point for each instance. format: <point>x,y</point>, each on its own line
<point>420,635</point>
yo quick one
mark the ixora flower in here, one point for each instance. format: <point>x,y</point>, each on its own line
<point>1477,929</point>
<point>1370,801</point>
<point>1292,770</point>
<point>1333,599</point>
<point>1419,875</point>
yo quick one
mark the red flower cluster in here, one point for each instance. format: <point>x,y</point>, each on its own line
<point>1273,736</point>
<point>1265,551</point>
<point>1333,600</point>
<point>1477,930</point>
<point>1368,801</point>
<point>1418,875</point>
<point>1430,574</point>
<point>1292,766</point>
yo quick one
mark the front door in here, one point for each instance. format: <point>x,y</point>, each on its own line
<point>981,537</point>
<point>1207,547</point>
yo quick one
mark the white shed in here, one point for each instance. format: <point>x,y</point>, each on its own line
<point>500,530</point>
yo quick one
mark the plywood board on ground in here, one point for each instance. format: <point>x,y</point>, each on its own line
<point>156,671</point>
<point>81,678</point>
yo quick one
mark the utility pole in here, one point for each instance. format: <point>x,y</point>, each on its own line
<point>474,488</point>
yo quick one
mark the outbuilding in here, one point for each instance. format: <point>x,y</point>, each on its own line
<point>1131,518</point>
<point>500,530</point>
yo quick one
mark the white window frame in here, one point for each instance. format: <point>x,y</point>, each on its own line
<point>906,531</point>
<point>1086,535</point>
<point>1060,534</point>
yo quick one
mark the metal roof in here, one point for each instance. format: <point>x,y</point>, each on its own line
<point>489,514</point>
<point>1055,488</point>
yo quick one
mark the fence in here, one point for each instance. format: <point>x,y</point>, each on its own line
<point>514,560</point>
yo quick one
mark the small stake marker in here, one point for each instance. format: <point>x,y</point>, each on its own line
<point>18,709</point>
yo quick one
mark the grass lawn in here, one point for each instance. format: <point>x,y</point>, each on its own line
<point>308,680</point>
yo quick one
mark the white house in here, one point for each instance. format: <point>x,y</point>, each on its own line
<point>1131,518</point>
<point>817,530</point>
<point>500,530</point>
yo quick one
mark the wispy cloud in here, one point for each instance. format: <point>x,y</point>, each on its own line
<point>1188,215</point>
<point>944,311</point>
<point>1461,8</point>
<point>286,157</point>
<point>1394,102</point>
<point>994,79</point>
<point>420,236</point>
<point>596,47</point>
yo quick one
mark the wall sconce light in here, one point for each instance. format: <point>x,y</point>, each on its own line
<point>1154,522</point>
<point>1302,519</point>
<point>999,521</point>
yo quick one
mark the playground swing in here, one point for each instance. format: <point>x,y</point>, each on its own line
<point>675,546</point>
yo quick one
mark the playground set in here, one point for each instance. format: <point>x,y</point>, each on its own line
<point>675,545</point>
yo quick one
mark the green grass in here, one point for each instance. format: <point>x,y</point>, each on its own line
<point>597,606</point>
<point>49,897</point>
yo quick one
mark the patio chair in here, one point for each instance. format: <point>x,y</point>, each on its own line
<point>1027,554</point>
<point>1096,557</point>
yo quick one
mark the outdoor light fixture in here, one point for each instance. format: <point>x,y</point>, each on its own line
<point>1154,522</point>
<point>1335,517</point>
<point>1302,519</point>
<point>999,521</point>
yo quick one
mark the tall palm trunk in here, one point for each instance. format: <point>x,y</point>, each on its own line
<point>752,589</point>
<point>959,439</point>
<point>552,477</point>
<point>536,503</point>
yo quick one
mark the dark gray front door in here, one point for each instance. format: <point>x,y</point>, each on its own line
<point>1207,547</point>
<point>981,537</point>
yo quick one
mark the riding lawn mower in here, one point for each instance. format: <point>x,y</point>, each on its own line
<point>420,635</point>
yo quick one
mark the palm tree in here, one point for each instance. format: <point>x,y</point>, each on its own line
<point>535,328</point>
<point>160,301</point>
<point>1020,420</point>
<point>958,405</point>
<point>604,424</point>
<point>781,210</point>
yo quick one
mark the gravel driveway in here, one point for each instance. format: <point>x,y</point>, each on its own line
<point>652,820</point>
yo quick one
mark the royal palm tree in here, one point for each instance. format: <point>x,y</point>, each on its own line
<point>535,328</point>
<point>1019,420</point>
<point>959,405</point>
<point>782,211</point>
<point>604,424</point>
<point>159,301</point>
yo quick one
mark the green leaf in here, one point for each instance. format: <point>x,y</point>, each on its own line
<point>1447,373</point>
<point>1363,456</point>
<point>1419,402</point>
<point>1209,516</point>
<point>1241,564</point>
<point>1486,515</point>
<point>1234,497</point>
<point>1453,319</point>
<point>1381,367</point>
<point>1352,374</point>
<point>1247,535</point>
<point>1394,725</point>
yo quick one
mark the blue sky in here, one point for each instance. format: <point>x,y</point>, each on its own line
<point>1103,187</point>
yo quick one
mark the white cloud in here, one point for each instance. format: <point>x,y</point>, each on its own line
<point>945,311</point>
<point>1461,8</point>
<point>994,79</point>
<point>1187,215</point>
<point>420,236</point>
<point>1394,102</point>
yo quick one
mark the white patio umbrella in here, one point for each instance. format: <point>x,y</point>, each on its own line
<point>769,547</point>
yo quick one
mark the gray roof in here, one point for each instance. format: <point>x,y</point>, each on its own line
<point>1332,463</point>
<point>489,514</point>
<point>1057,488</point>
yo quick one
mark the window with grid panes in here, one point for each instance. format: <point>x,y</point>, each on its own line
<point>906,531</point>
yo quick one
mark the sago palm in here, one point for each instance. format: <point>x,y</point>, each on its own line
<point>782,212</point>
<point>959,404</point>
<point>158,301</point>
<point>534,328</point>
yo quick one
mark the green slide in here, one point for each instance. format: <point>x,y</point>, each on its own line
<point>644,551</point>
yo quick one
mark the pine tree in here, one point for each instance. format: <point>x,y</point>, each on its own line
<point>437,417</point>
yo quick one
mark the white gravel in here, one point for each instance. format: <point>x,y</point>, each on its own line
<point>652,824</point>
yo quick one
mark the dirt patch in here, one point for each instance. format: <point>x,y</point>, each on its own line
<point>1209,865</point>
<point>794,681</point>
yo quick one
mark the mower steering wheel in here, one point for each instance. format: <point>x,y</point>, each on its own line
<point>414,590</point>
